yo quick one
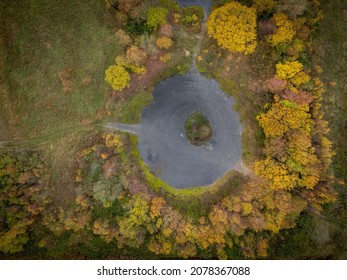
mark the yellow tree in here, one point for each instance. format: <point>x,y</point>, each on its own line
<point>234,27</point>
<point>277,173</point>
<point>285,31</point>
<point>117,76</point>
<point>285,115</point>
<point>292,71</point>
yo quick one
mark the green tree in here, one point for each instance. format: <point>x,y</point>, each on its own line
<point>156,17</point>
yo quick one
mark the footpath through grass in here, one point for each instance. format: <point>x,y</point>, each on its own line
<point>55,56</point>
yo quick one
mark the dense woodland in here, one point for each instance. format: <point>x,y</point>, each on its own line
<point>71,189</point>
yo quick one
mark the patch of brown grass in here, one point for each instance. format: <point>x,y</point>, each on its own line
<point>65,77</point>
<point>61,156</point>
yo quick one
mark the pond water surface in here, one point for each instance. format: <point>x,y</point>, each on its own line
<point>162,141</point>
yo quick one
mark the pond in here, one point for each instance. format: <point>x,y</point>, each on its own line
<point>163,144</point>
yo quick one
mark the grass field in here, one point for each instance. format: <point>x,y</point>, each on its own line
<point>332,47</point>
<point>55,56</point>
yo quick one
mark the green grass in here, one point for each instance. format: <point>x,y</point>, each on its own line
<point>333,55</point>
<point>42,39</point>
<point>129,111</point>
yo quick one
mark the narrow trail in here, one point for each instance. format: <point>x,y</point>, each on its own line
<point>44,139</point>
<point>130,128</point>
<point>198,46</point>
<point>326,218</point>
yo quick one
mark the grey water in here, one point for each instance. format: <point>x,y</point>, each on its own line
<point>162,142</point>
<point>205,4</point>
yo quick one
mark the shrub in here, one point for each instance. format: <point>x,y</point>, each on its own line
<point>166,57</point>
<point>164,43</point>
<point>137,27</point>
<point>166,30</point>
<point>135,56</point>
<point>124,38</point>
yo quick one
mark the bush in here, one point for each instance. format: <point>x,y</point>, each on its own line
<point>135,56</point>
<point>164,43</point>
<point>137,27</point>
<point>124,38</point>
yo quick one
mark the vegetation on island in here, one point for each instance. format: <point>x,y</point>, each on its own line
<point>70,189</point>
<point>198,129</point>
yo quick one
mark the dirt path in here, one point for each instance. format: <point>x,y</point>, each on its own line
<point>326,218</point>
<point>37,141</point>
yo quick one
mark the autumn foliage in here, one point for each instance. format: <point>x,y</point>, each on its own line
<point>284,33</point>
<point>164,42</point>
<point>156,17</point>
<point>120,204</point>
<point>264,6</point>
<point>292,72</point>
<point>234,27</point>
<point>283,116</point>
<point>23,197</point>
<point>117,76</point>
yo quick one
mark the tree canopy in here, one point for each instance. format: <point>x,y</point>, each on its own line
<point>234,27</point>
<point>156,17</point>
<point>117,76</point>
